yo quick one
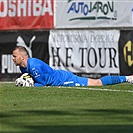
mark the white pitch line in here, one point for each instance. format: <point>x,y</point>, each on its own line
<point>99,89</point>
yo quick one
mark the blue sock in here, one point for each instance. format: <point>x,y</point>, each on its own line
<point>110,80</point>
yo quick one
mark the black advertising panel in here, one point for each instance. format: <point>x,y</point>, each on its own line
<point>36,43</point>
<point>126,52</point>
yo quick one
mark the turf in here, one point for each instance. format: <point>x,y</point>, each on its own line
<point>66,110</point>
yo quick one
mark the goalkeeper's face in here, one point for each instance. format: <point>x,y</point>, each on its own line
<point>18,58</point>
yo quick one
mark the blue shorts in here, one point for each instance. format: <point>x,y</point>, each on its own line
<point>66,78</point>
<point>76,81</point>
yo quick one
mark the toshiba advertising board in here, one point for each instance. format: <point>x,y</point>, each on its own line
<point>26,14</point>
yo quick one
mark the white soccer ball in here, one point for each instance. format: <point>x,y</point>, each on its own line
<point>25,80</point>
<point>19,82</point>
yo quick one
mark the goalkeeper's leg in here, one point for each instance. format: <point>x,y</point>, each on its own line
<point>110,80</point>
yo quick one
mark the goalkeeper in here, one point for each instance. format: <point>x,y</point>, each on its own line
<point>44,75</point>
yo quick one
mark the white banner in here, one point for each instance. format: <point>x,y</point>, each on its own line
<point>84,51</point>
<point>132,14</point>
<point>92,13</point>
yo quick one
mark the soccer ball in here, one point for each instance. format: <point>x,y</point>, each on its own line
<point>24,80</point>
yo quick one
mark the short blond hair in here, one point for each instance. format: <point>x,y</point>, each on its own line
<point>22,49</point>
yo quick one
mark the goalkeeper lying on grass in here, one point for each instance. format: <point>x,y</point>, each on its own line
<point>43,75</point>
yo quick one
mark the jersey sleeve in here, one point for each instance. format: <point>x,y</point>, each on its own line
<point>38,85</point>
<point>38,76</point>
<point>40,71</point>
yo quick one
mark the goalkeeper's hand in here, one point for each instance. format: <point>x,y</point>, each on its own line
<point>130,79</point>
<point>25,80</point>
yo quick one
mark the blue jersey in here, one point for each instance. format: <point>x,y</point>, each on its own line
<point>44,75</point>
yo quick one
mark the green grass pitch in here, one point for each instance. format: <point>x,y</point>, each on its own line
<point>107,109</point>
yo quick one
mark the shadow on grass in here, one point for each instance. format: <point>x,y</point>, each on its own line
<point>8,118</point>
<point>78,129</point>
<point>63,113</point>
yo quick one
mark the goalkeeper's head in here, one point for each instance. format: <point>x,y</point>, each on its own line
<point>20,56</point>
